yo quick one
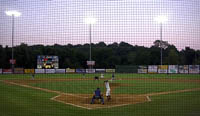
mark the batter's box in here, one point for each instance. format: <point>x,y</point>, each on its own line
<point>83,100</point>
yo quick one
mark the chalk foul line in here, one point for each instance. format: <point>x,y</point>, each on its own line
<point>74,95</point>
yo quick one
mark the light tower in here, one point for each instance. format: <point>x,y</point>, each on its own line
<point>90,20</point>
<point>13,14</point>
<point>161,19</point>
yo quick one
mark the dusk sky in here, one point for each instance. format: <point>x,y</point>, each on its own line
<point>51,22</point>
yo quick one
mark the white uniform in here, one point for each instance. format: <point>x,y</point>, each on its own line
<point>107,88</point>
<point>102,75</point>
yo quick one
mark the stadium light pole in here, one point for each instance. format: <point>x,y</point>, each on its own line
<point>161,19</point>
<point>13,14</point>
<point>90,21</point>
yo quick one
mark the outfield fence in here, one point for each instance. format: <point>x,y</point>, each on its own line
<point>140,69</point>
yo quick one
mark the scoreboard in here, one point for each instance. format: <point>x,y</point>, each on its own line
<point>46,62</point>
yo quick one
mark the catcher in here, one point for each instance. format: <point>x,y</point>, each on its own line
<point>97,95</point>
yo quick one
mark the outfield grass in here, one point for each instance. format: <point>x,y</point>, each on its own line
<point>132,86</point>
<point>84,87</point>
<point>144,87</point>
<point>107,75</point>
<point>21,101</point>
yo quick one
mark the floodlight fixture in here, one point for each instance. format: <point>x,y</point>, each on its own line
<point>161,19</point>
<point>13,13</point>
<point>90,20</point>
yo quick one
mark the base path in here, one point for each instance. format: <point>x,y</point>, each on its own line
<point>83,100</point>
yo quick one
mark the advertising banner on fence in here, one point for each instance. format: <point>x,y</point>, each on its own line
<point>173,69</point>
<point>142,69</point>
<point>7,71</point>
<point>69,70</point>
<point>61,71</point>
<point>90,70</point>
<point>0,71</point>
<point>183,69</point>
<point>50,71</point>
<point>39,71</point>
<point>194,69</point>
<point>162,69</point>
<point>29,71</point>
<point>110,70</point>
<point>100,70</point>
<point>80,71</point>
<point>152,69</point>
<point>19,71</point>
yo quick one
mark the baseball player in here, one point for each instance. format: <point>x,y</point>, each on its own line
<point>33,76</point>
<point>83,75</point>
<point>97,95</point>
<point>102,75</point>
<point>113,76</point>
<point>107,90</point>
<point>96,78</point>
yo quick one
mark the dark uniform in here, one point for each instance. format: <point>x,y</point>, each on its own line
<point>96,78</point>
<point>97,95</point>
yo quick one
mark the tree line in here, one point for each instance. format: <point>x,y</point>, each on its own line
<point>105,56</point>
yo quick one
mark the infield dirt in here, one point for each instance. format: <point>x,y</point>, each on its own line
<point>83,100</point>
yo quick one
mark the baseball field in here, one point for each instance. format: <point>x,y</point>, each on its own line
<point>70,95</point>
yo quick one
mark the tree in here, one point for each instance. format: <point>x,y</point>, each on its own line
<point>154,55</point>
<point>132,58</point>
<point>189,55</point>
<point>173,58</point>
<point>182,58</point>
<point>2,57</point>
<point>143,57</point>
<point>159,43</point>
<point>7,56</point>
<point>106,56</point>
